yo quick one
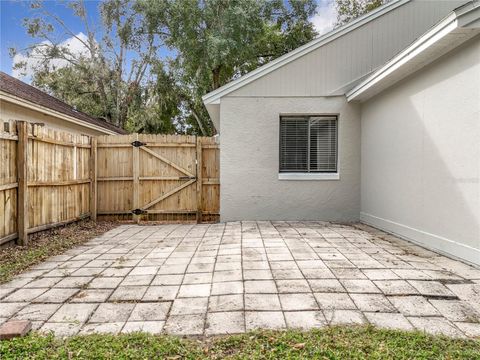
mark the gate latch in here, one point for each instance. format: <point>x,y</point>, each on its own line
<point>139,212</point>
<point>187,178</point>
<point>137,143</point>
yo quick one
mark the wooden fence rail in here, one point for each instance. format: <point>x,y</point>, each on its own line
<point>49,178</point>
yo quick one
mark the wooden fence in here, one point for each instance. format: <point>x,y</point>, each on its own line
<point>45,179</point>
<point>158,177</point>
<point>49,178</point>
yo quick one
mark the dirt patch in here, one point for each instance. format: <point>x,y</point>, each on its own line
<point>16,259</point>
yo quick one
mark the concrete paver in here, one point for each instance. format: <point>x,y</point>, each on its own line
<point>304,319</point>
<point>225,323</point>
<point>264,320</point>
<point>413,306</point>
<point>190,306</point>
<point>112,312</point>
<point>213,279</point>
<point>334,301</point>
<point>226,303</point>
<point>73,313</point>
<point>155,311</point>
<point>37,312</point>
<point>388,320</point>
<point>151,327</point>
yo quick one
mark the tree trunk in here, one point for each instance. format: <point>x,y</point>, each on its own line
<point>216,77</point>
<point>199,122</point>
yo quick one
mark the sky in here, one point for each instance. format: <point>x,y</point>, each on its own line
<point>13,34</point>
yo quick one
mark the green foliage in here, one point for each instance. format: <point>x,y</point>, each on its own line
<point>348,10</point>
<point>162,99</point>
<point>216,41</point>
<point>104,74</point>
<point>74,86</point>
<point>122,76</point>
<point>328,343</point>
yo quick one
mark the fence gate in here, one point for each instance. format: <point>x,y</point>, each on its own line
<point>158,177</point>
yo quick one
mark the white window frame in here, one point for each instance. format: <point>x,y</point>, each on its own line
<point>309,176</point>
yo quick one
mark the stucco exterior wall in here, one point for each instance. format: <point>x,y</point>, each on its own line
<point>9,111</point>
<point>421,156</point>
<point>249,162</point>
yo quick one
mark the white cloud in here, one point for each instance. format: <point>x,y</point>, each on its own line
<point>326,16</point>
<point>34,59</point>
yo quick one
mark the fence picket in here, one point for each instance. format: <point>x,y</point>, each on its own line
<point>22,169</point>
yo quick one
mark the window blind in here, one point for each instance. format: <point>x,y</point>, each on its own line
<point>308,144</point>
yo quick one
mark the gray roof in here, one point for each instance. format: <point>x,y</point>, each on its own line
<point>29,93</point>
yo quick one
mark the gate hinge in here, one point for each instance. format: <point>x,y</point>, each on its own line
<point>137,143</point>
<point>187,177</point>
<point>139,212</point>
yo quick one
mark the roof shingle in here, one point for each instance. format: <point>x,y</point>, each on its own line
<point>29,93</point>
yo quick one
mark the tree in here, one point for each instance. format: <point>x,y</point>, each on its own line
<point>150,62</point>
<point>161,112</point>
<point>216,41</point>
<point>103,79</point>
<point>348,10</point>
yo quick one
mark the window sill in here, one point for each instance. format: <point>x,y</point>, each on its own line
<point>308,176</point>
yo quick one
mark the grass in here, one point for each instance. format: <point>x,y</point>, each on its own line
<point>16,259</point>
<point>329,343</point>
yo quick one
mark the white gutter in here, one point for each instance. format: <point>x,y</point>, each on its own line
<point>33,106</point>
<point>439,31</point>
<point>214,96</point>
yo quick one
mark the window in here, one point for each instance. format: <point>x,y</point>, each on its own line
<point>308,144</point>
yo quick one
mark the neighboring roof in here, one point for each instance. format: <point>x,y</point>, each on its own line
<point>459,26</point>
<point>28,93</point>
<point>214,96</point>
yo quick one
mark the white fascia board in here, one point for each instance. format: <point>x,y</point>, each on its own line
<point>32,106</point>
<point>436,33</point>
<point>214,96</point>
<point>469,15</point>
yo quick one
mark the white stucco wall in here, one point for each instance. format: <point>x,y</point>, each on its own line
<point>421,155</point>
<point>249,162</point>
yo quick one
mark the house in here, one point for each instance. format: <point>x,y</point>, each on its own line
<point>20,101</point>
<point>377,121</point>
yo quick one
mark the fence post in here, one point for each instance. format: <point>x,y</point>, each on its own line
<point>93,178</point>
<point>199,180</point>
<point>22,170</point>
<point>136,180</point>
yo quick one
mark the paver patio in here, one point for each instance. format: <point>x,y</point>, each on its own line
<point>234,277</point>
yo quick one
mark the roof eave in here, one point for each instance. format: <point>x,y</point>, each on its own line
<point>435,34</point>
<point>214,96</point>
<point>33,106</point>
